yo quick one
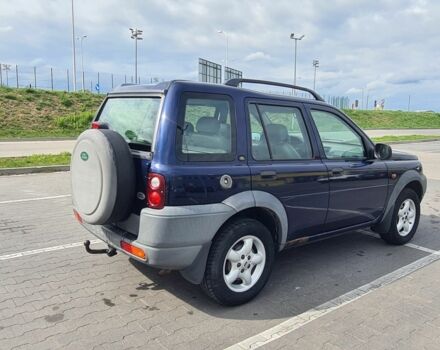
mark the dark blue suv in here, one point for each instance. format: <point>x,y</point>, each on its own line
<point>214,180</point>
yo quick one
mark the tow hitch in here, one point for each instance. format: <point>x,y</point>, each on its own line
<point>110,251</point>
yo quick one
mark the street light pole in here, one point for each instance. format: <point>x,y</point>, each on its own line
<point>136,35</point>
<point>292,36</point>
<point>226,52</point>
<point>82,60</point>
<point>6,68</point>
<point>316,65</point>
<point>73,49</point>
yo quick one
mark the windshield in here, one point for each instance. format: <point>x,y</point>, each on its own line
<point>132,117</point>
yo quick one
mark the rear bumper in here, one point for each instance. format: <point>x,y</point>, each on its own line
<point>172,238</point>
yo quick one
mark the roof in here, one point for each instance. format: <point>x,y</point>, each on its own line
<point>162,87</point>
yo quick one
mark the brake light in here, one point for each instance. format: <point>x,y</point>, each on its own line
<point>95,125</point>
<point>156,191</point>
<point>133,250</point>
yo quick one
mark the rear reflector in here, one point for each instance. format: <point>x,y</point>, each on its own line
<point>138,252</point>
<point>77,216</point>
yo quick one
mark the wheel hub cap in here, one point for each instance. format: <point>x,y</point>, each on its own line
<point>244,263</point>
<point>406,217</point>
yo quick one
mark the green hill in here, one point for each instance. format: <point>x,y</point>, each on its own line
<point>28,113</point>
<point>38,113</point>
<point>394,119</point>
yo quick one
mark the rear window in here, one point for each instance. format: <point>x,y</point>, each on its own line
<point>132,117</point>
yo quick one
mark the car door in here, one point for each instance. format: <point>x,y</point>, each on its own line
<point>284,161</point>
<point>358,181</point>
<point>207,150</point>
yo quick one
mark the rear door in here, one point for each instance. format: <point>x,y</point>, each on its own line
<point>209,164</point>
<point>284,161</point>
<point>358,181</point>
<point>135,118</point>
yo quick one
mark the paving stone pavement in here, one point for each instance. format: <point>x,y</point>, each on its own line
<point>71,300</point>
<point>403,315</point>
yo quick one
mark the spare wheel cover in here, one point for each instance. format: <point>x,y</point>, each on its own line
<point>94,175</point>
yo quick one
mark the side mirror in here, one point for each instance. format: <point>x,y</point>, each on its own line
<point>383,151</point>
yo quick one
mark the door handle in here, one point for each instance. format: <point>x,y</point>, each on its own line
<point>336,171</point>
<point>268,174</point>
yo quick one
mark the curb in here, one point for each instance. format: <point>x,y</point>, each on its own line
<point>34,170</point>
<point>18,139</point>
<point>416,141</point>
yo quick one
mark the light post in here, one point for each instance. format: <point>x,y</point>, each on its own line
<point>226,52</point>
<point>6,68</point>
<point>82,60</point>
<point>316,65</point>
<point>136,35</point>
<point>292,36</point>
<point>73,49</point>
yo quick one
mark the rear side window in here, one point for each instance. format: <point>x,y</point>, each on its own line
<point>132,117</point>
<point>207,129</point>
<point>278,133</point>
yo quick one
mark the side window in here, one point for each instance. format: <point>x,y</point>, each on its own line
<point>278,133</point>
<point>208,130</point>
<point>338,138</point>
<point>260,150</point>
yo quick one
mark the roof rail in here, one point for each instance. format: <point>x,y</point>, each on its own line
<point>237,81</point>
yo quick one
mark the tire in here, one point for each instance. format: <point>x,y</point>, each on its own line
<point>397,233</point>
<point>254,266</point>
<point>103,177</point>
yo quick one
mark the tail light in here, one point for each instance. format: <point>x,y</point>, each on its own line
<point>95,125</point>
<point>156,191</point>
<point>98,125</point>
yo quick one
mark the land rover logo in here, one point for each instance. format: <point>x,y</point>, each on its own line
<point>84,156</point>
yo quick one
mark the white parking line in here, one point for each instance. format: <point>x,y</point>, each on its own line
<point>409,245</point>
<point>45,250</point>
<point>35,199</point>
<point>301,320</point>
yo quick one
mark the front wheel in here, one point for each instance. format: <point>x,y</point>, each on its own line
<point>406,216</point>
<point>239,263</point>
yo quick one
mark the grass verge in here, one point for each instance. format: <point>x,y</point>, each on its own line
<point>405,138</point>
<point>35,160</point>
<point>394,119</point>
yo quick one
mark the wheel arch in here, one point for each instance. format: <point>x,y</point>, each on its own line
<point>273,214</point>
<point>259,205</point>
<point>417,187</point>
<point>263,215</point>
<point>410,179</point>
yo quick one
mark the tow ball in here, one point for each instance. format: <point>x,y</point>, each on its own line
<point>110,251</point>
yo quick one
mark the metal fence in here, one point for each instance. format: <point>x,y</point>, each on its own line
<point>49,78</point>
<point>341,102</point>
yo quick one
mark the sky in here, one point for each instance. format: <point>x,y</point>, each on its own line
<point>385,49</point>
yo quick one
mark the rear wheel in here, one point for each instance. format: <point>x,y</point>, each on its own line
<point>239,263</point>
<point>406,216</point>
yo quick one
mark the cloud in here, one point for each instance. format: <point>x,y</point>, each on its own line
<point>259,55</point>
<point>353,91</point>
<point>5,29</point>
<point>386,47</point>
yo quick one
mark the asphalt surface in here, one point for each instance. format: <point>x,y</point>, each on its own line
<point>55,295</point>
<point>26,148</point>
